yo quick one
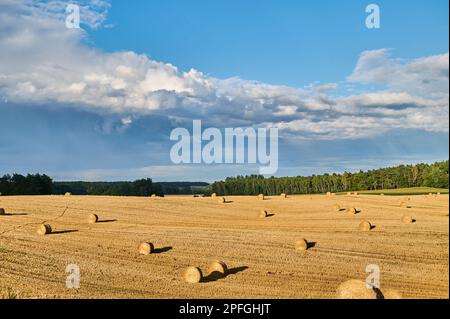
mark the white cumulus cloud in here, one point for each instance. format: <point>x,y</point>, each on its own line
<point>44,63</point>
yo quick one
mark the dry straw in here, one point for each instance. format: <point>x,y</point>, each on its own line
<point>44,229</point>
<point>365,226</point>
<point>193,275</point>
<point>407,219</point>
<point>392,294</point>
<point>301,244</point>
<point>336,208</point>
<point>217,267</point>
<point>92,218</point>
<point>146,248</point>
<point>355,289</point>
<point>263,214</point>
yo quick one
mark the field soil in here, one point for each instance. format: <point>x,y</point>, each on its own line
<point>259,252</point>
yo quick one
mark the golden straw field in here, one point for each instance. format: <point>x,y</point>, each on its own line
<point>259,249</point>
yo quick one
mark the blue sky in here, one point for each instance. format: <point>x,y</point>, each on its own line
<point>99,103</point>
<point>290,42</point>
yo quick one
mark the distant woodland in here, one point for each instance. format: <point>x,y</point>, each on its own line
<point>403,176</point>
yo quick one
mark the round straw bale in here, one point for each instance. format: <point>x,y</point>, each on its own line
<point>68,194</point>
<point>355,193</point>
<point>261,196</point>
<point>365,226</point>
<point>153,196</point>
<point>146,248</point>
<point>355,289</point>
<point>392,294</point>
<point>44,229</point>
<point>283,195</point>
<point>193,275</point>
<point>336,207</point>
<point>328,193</point>
<point>92,218</point>
<point>213,195</point>
<point>221,200</point>
<point>2,211</point>
<point>351,210</point>
<point>217,267</point>
<point>407,219</point>
<point>262,214</point>
<point>349,193</point>
<point>301,244</point>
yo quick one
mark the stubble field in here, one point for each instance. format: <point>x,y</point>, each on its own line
<point>259,252</point>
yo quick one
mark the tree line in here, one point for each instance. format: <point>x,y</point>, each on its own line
<point>38,184</point>
<point>17,184</point>
<point>419,175</point>
<point>141,187</point>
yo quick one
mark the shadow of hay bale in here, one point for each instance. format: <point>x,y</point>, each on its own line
<point>216,275</point>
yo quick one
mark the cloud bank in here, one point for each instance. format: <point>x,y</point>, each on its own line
<point>44,64</point>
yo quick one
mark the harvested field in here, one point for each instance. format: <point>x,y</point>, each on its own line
<point>260,254</point>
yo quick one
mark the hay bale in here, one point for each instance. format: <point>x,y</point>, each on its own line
<point>355,289</point>
<point>407,219</point>
<point>218,267</point>
<point>213,195</point>
<point>193,275</point>
<point>351,210</point>
<point>261,197</point>
<point>221,200</point>
<point>382,194</point>
<point>44,229</point>
<point>349,193</point>
<point>365,226</point>
<point>153,196</point>
<point>283,195</point>
<point>2,211</point>
<point>92,218</point>
<point>68,194</point>
<point>263,214</point>
<point>328,193</point>
<point>301,244</point>
<point>403,204</point>
<point>391,294</point>
<point>146,248</point>
<point>355,193</point>
<point>336,208</point>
